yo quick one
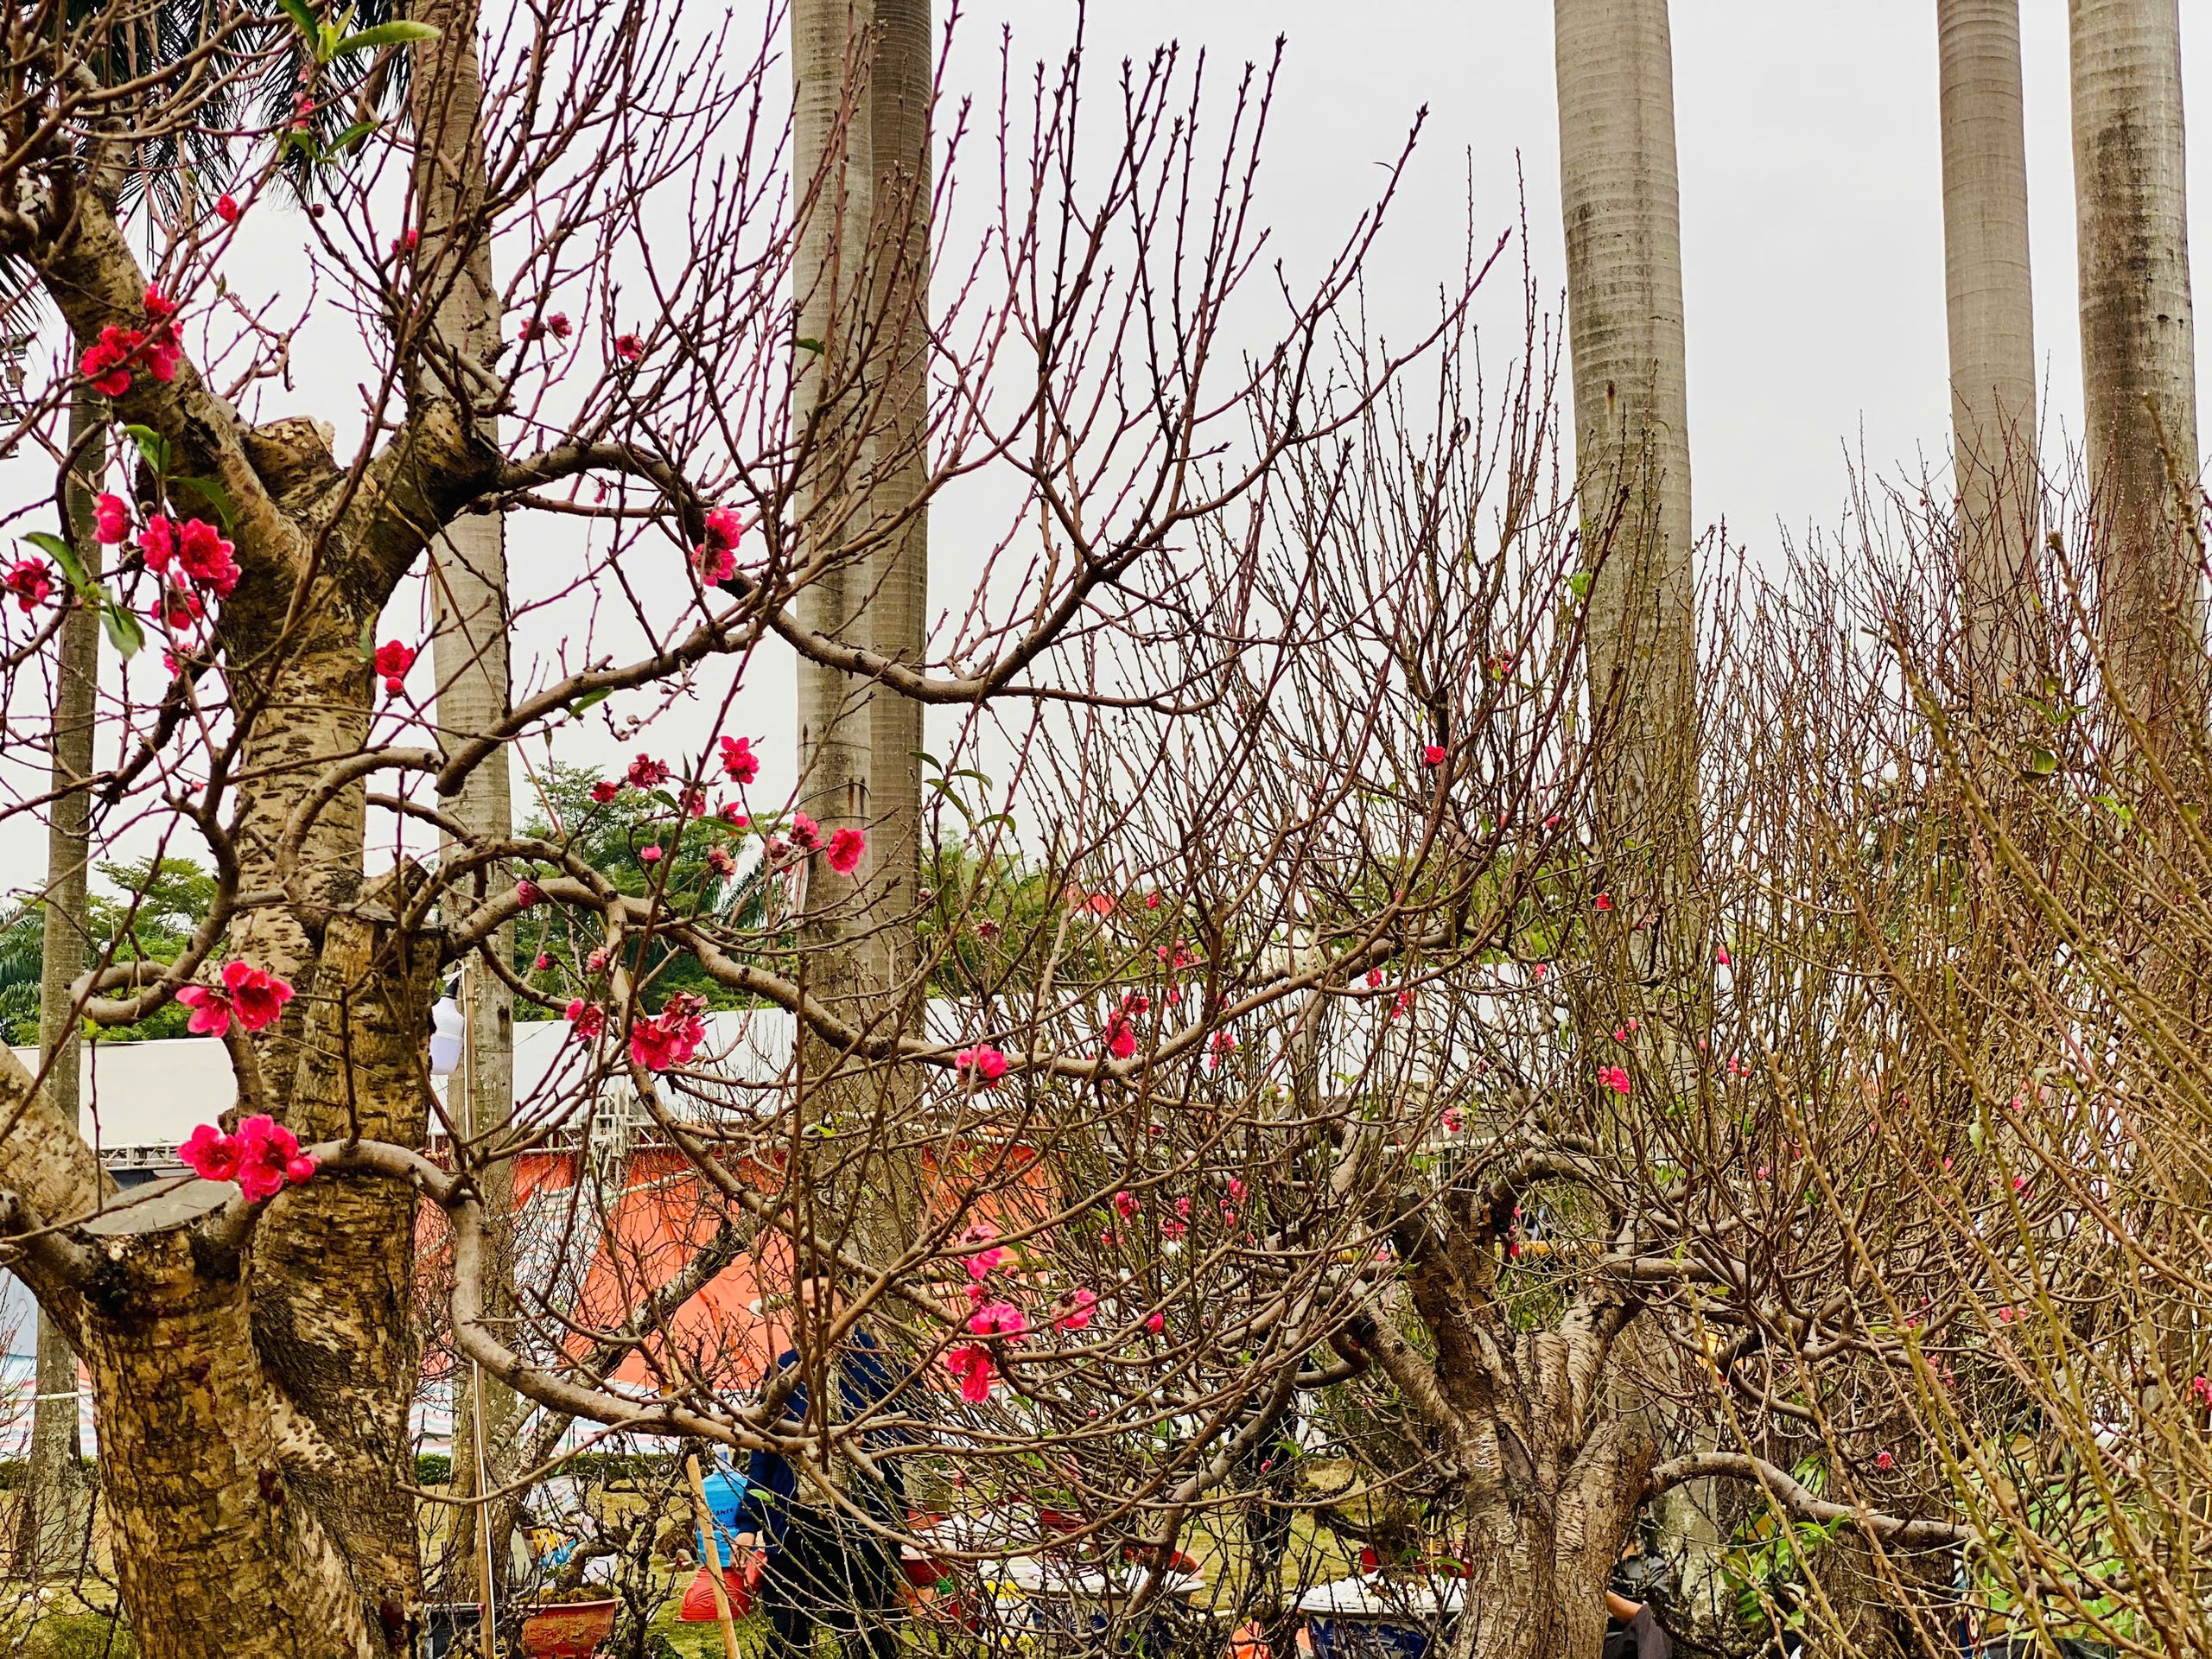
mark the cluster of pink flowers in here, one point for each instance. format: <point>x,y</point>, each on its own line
<point>31,581</point>
<point>586,1020</point>
<point>739,761</point>
<point>971,1368</point>
<point>628,347</point>
<point>195,547</point>
<point>250,995</point>
<point>716,556</point>
<point>557,325</point>
<point>109,360</point>
<point>645,772</point>
<point>670,1037</point>
<point>393,659</point>
<point>983,1063</point>
<point>263,1157</point>
<point>1615,1078</point>
<point>842,851</point>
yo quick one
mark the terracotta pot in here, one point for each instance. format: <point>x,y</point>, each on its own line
<point>571,1630</point>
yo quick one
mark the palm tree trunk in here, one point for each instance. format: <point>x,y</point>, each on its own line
<point>1620,200</point>
<point>469,649</point>
<point>2139,355</point>
<point>862,92</point>
<point>1992,335</point>
<point>1619,194</point>
<point>56,1499</point>
<point>899,92</point>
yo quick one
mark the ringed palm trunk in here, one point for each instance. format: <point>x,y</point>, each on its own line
<point>1990,304</point>
<point>1620,199</point>
<point>469,659</point>
<point>55,1501</point>
<point>2139,356</point>
<point>862,81</point>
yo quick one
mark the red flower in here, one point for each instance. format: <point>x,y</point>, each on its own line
<point>269,1157</point>
<point>647,773</point>
<point>586,1020</point>
<point>528,893</point>
<point>1615,1078</point>
<point>1127,1204</point>
<point>1156,1324</point>
<point>984,1062</point>
<point>226,209</point>
<point>393,660</point>
<point>2202,1388</point>
<point>846,849</point>
<point>1722,959</point>
<point>970,1364</point>
<point>603,792</point>
<point>806,833</point>
<point>110,519</point>
<point>31,580</point>
<point>629,347</point>
<point>716,564</point>
<point>211,1009</point>
<point>1454,1121</point>
<point>1079,1310</point>
<point>201,552</point>
<point>739,761</point>
<point>258,998</point>
<point>670,1037</point>
<point>721,861</point>
<point>1605,901</point>
<point>1433,755</point>
<point>210,1155</point>
<point>1121,1037</point>
<point>649,854</point>
<point>1883,1461</point>
<point>107,361</point>
<point>542,962</point>
<point>998,1319</point>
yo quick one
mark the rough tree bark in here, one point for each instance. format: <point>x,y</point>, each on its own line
<point>234,1369</point>
<point>2138,362</point>
<point>1992,321</point>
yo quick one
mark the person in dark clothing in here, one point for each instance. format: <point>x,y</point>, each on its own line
<point>825,1570</point>
<point>1630,1600</point>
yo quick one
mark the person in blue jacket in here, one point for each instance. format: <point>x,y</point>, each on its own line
<point>825,1571</point>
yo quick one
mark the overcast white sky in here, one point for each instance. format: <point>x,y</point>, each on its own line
<point>1812,236</point>
<point>1812,208</point>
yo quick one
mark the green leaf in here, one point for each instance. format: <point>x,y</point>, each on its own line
<point>298,12</point>
<point>353,135</point>
<point>2042,762</point>
<point>589,699</point>
<point>808,343</point>
<point>152,445</point>
<point>384,35</point>
<point>216,497</point>
<point>122,627</point>
<point>1578,584</point>
<point>65,555</point>
<point>368,641</point>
